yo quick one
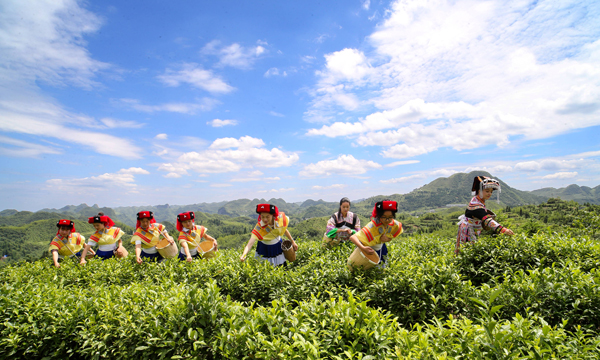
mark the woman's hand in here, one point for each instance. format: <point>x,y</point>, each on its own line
<point>139,260</point>
<point>243,257</point>
<point>367,250</point>
<point>189,259</point>
<point>216,245</point>
<point>384,238</point>
<point>171,241</point>
<point>508,232</point>
<point>82,261</point>
<point>294,246</point>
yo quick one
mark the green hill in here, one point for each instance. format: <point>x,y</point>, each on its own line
<point>581,194</point>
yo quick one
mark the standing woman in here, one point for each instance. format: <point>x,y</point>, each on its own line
<point>147,235</point>
<point>383,228</point>
<point>190,236</point>
<point>270,227</point>
<point>477,216</point>
<point>341,225</point>
<point>107,237</point>
<point>67,243</point>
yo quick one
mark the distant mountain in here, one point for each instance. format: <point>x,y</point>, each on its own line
<point>439,193</point>
<point>581,194</point>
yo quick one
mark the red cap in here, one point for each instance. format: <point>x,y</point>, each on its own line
<point>183,217</point>
<point>384,205</point>
<point>267,208</point>
<point>65,222</point>
<point>144,215</point>
<point>108,223</point>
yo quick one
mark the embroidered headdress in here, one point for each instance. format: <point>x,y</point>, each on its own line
<point>144,215</point>
<point>103,219</point>
<point>385,205</point>
<point>481,183</point>
<point>184,217</point>
<point>66,223</point>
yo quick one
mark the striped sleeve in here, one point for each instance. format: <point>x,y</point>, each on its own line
<point>54,246</point>
<point>399,231</point>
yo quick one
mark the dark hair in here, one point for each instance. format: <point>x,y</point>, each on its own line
<point>100,213</point>
<point>380,211</point>
<point>344,199</point>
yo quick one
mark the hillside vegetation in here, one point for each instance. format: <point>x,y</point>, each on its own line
<point>529,296</point>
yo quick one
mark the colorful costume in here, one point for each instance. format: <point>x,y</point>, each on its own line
<point>269,239</point>
<point>338,222</point>
<point>477,216</point>
<point>107,239</point>
<point>371,234</point>
<point>70,245</point>
<point>192,237</point>
<point>150,237</point>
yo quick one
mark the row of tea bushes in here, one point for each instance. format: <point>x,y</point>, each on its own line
<point>158,321</point>
<point>423,281</point>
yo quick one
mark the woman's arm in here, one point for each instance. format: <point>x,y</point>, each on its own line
<point>188,256</point>
<point>365,249</point>
<point>208,237</point>
<point>138,252</point>
<point>289,236</point>
<point>55,258</point>
<point>84,254</point>
<point>247,248</point>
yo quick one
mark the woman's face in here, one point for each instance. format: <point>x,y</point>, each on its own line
<point>145,222</point>
<point>487,193</point>
<point>99,226</point>
<point>345,208</point>
<point>188,224</point>
<point>64,231</point>
<point>267,218</point>
<point>387,217</point>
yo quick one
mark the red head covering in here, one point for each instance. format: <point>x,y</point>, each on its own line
<point>144,215</point>
<point>385,205</point>
<point>267,208</point>
<point>67,223</point>
<point>108,223</point>
<point>183,217</point>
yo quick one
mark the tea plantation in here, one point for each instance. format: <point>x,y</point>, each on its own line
<point>530,296</point>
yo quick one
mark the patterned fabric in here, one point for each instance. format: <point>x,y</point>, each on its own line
<point>149,237</point>
<point>336,219</point>
<point>105,237</point>
<point>67,246</point>
<point>193,237</point>
<point>265,232</point>
<point>371,234</point>
<point>476,218</point>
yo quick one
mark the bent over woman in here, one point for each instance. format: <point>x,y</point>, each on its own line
<point>270,227</point>
<point>147,235</point>
<point>67,243</point>
<point>477,216</point>
<point>107,237</point>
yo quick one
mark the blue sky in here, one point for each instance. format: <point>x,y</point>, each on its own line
<point>180,102</point>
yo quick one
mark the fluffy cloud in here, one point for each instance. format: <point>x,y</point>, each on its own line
<point>229,155</point>
<point>205,104</point>
<point>122,179</point>
<point>196,76</point>
<point>561,175</point>
<point>221,123</point>
<point>234,55</point>
<point>275,72</point>
<point>345,165</point>
<point>464,75</point>
<point>334,186</point>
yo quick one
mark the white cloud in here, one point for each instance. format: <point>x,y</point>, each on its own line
<point>439,72</point>
<point>205,104</point>
<point>273,113</point>
<point>366,4</point>
<point>196,76</point>
<point>113,123</point>
<point>334,186</point>
<point>19,148</point>
<point>221,123</point>
<point>403,179</point>
<point>161,137</point>
<point>404,162</point>
<point>276,190</point>
<point>343,165</point>
<point>275,72</point>
<point>560,175</point>
<point>234,55</point>
<point>220,185</point>
<point>122,179</point>
<point>232,154</point>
